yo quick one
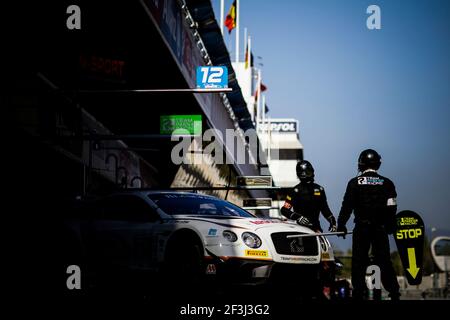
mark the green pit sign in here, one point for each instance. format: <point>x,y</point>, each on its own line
<point>180,124</point>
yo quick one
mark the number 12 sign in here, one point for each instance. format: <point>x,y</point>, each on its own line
<point>212,77</point>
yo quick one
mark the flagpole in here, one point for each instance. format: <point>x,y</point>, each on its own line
<point>258,93</point>
<point>269,139</point>
<point>265,132</point>
<point>245,43</point>
<point>245,39</point>
<point>261,111</point>
<point>222,9</point>
<point>259,99</point>
<point>250,56</point>
<point>237,30</point>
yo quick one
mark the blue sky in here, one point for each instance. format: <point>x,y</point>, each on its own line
<point>352,88</point>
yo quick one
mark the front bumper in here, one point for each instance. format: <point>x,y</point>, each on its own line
<point>251,271</point>
<point>239,270</point>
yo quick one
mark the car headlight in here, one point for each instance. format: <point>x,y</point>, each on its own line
<point>251,240</point>
<point>230,235</point>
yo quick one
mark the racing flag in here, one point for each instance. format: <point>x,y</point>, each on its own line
<point>248,56</point>
<point>230,21</point>
<point>261,88</point>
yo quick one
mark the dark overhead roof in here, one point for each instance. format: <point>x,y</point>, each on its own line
<point>202,12</point>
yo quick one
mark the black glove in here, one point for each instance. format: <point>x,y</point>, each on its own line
<point>303,221</point>
<point>333,226</point>
<point>341,228</point>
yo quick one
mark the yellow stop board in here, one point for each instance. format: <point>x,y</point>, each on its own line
<point>408,233</point>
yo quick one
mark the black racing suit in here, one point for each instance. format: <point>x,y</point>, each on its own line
<point>372,198</point>
<point>308,200</point>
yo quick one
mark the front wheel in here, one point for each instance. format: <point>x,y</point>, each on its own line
<point>185,268</point>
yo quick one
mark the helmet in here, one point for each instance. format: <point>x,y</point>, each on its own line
<point>305,171</point>
<point>369,159</point>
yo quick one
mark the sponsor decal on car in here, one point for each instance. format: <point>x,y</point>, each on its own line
<point>212,233</point>
<point>298,259</point>
<point>263,221</point>
<point>256,253</point>
<point>211,269</point>
<point>325,255</point>
<point>218,223</point>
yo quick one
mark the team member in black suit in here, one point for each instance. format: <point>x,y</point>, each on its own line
<point>372,199</point>
<point>307,199</point>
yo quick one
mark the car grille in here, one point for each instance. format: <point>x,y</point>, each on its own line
<point>306,246</point>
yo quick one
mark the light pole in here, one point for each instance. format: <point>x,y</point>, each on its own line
<point>435,274</point>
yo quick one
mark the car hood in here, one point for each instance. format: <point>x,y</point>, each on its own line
<point>251,224</point>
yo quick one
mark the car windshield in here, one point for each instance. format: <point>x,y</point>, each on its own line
<point>193,204</point>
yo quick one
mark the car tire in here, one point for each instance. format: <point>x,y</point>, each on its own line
<point>184,269</point>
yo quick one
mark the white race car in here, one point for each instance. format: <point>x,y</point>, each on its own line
<point>189,235</point>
